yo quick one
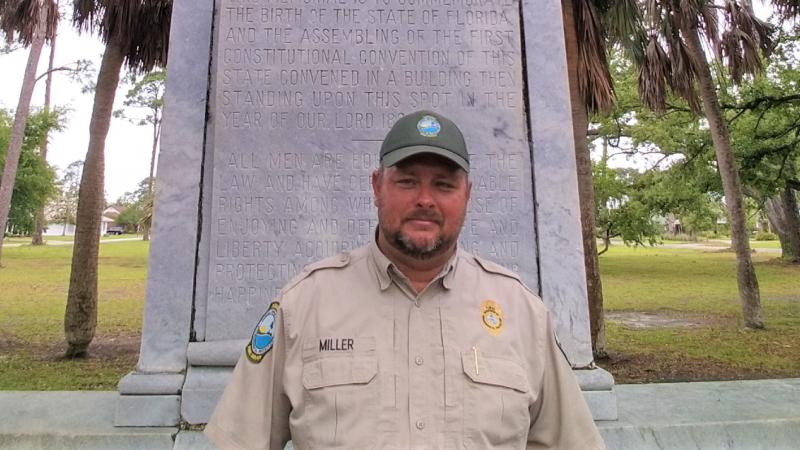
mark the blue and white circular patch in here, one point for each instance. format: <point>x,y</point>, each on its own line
<point>428,126</point>
<point>264,335</point>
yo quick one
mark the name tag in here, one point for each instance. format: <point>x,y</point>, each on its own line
<point>336,344</point>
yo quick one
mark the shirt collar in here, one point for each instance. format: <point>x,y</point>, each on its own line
<point>383,266</point>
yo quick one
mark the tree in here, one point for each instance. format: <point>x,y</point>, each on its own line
<point>136,33</point>
<point>38,228</point>
<point>29,22</point>
<point>148,93</point>
<point>766,136</point>
<point>35,180</point>
<point>67,203</point>
<point>135,204</point>
<point>671,54</point>
<point>130,217</point>
<point>591,90</point>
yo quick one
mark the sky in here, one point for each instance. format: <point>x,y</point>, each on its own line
<point>128,146</point>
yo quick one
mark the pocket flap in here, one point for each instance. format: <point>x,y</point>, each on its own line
<point>495,371</point>
<point>338,370</point>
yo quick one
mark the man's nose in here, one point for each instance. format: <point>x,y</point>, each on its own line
<point>425,196</point>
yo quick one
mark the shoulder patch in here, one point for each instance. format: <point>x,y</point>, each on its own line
<point>333,262</point>
<point>263,336</point>
<point>493,267</point>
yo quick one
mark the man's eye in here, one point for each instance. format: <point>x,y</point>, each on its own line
<point>445,185</point>
<point>405,182</point>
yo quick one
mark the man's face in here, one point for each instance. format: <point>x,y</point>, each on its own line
<point>421,204</point>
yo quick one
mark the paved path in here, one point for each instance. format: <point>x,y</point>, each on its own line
<point>733,415</point>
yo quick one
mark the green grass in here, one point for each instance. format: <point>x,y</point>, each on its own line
<point>34,284</point>
<point>26,240</point>
<point>765,244</point>
<point>702,286</point>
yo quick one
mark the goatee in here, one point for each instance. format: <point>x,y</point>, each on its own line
<point>402,242</point>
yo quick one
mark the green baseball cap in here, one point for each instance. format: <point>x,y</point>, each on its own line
<point>424,132</point>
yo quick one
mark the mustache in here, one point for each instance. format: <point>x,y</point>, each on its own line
<point>425,215</point>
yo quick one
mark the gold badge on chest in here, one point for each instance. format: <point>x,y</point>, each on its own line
<point>492,317</point>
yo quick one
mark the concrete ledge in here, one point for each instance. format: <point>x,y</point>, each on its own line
<point>202,391</point>
<point>137,383</point>
<point>594,379</point>
<point>602,404</point>
<point>196,440</point>
<point>148,411</point>
<point>754,414</point>
<point>71,420</point>
<point>751,435</point>
<point>215,353</point>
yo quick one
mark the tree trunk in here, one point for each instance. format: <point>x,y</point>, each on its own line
<point>746,275</point>
<point>20,119</point>
<point>151,180</point>
<point>40,219</point>
<point>785,222</point>
<point>80,317</point>
<point>580,125</point>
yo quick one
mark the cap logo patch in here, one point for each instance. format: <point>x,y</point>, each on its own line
<point>492,317</point>
<point>428,126</point>
<point>263,336</point>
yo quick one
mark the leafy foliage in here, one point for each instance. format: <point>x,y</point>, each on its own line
<point>35,179</point>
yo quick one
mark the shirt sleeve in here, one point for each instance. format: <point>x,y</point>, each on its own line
<point>560,418</point>
<point>253,412</point>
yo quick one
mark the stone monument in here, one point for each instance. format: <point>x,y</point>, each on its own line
<point>275,111</point>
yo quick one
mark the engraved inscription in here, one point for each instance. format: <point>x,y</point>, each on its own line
<point>303,93</point>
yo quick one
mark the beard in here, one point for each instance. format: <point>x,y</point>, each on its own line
<point>402,242</point>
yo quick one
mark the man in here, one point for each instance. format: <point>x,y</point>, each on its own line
<point>409,342</point>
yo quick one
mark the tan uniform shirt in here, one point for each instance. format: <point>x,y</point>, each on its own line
<point>359,361</point>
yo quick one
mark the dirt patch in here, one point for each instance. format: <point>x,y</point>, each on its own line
<point>119,348</point>
<point>639,368</point>
<point>644,320</point>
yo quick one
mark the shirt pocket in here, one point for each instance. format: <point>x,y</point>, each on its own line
<point>497,397</point>
<point>341,400</point>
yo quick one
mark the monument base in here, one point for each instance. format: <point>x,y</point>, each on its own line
<point>149,400</point>
<point>159,399</point>
<point>598,389</point>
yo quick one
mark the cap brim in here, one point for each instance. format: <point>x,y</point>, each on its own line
<point>400,154</point>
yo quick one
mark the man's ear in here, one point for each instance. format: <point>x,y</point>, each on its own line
<point>377,174</point>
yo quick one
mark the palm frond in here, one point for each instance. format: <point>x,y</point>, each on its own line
<point>683,74</point>
<point>19,19</point>
<point>787,9</point>
<point>623,21</point>
<point>744,40</point>
<point>142,26</point>
<point>594,79</point>
<point>653,76</point>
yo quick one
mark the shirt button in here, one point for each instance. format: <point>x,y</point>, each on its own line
<point>420,425</point>
<point>419,360</point>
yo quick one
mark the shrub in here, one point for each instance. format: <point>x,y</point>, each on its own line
<point>766,236</point>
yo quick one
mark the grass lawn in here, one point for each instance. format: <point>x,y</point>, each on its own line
<point>34,284</point>
<point>107,237</point>
<point>697,290</point>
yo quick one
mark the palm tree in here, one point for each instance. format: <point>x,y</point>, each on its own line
<point>672,54</point>
<point>38,227</point>
<point>136,33</point>
<point>591,90</point>
<point>30,22</point>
